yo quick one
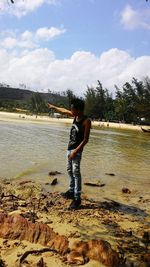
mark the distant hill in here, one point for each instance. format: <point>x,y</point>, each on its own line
<point>14,93</point>
<point>8,93</point>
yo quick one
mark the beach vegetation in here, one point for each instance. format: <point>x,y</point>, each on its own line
<point>129,104</point>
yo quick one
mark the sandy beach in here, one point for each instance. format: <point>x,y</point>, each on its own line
<point>124,222</point>
<point>22,117</point>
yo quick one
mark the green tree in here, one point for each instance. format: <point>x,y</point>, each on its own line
<point>37,104</point>
<point>99,103</point>
<point>132,102</point>
<point>90,99</point>
<point>120,105</point>
<point>70,95</point>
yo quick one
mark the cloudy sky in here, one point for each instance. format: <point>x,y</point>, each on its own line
<point>70,44</point>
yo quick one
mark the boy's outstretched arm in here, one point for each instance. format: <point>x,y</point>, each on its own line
<point>61,110</point>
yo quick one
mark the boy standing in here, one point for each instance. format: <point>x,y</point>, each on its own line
<point>79,136</point>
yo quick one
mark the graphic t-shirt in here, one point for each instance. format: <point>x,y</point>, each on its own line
<point>76,133</point>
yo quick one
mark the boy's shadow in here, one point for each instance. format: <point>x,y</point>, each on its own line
<point>112,205</point>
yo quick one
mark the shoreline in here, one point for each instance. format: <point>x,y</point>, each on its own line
<point>22,117</point>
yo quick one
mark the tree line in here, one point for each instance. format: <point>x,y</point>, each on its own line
<point>131,103</point>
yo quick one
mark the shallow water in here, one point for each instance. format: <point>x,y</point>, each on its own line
<point>32,150</point>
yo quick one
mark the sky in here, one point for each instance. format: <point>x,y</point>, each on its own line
<point>71,44</point>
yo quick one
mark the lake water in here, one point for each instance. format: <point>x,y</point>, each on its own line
<point>30,151</point>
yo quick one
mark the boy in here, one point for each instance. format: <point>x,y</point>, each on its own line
<point>79,136</point>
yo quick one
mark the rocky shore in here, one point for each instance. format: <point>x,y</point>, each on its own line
<point>38,229</point>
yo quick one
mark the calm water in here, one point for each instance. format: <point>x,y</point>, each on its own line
<point>32,150</point>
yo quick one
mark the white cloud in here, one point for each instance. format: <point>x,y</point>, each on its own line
<point>28,39</point>
<point>27,35</point>
<point>40,70</point>
<point>21,8</point>
<point>9,43</point>
<point>133,19</point>
<point>48,33</point>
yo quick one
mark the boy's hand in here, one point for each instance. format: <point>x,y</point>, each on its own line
<point>72,154</point>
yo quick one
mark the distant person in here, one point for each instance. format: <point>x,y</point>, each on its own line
<point>79,136</point>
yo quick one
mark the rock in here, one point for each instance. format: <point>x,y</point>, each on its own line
<point>75,257</point>
<point>52,173</point>
<point>16,227</point>
<point>126,190</point>
<point>111,174</point>
<point>94,184</point>
<point>98,250</point>
<point>54,182</point>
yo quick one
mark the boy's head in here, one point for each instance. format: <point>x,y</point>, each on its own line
<point>77,106</point>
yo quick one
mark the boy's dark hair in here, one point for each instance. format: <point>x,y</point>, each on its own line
<point>77,103</point>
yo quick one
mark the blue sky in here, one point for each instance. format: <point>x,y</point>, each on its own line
<point>69,44</point>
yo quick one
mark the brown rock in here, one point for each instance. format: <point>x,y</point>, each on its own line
<point>98,250</point>
<point>17,227</point>
<point>75,257</point>
<point>111,174</point>
<point>54,182</point>
<point>52,173</point>
<point>94,184</point>
<point>126,190</point>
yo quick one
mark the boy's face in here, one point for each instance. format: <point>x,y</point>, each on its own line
<point>75,111</point>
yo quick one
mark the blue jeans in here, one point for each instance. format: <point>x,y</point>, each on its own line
<point>73,169</point>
